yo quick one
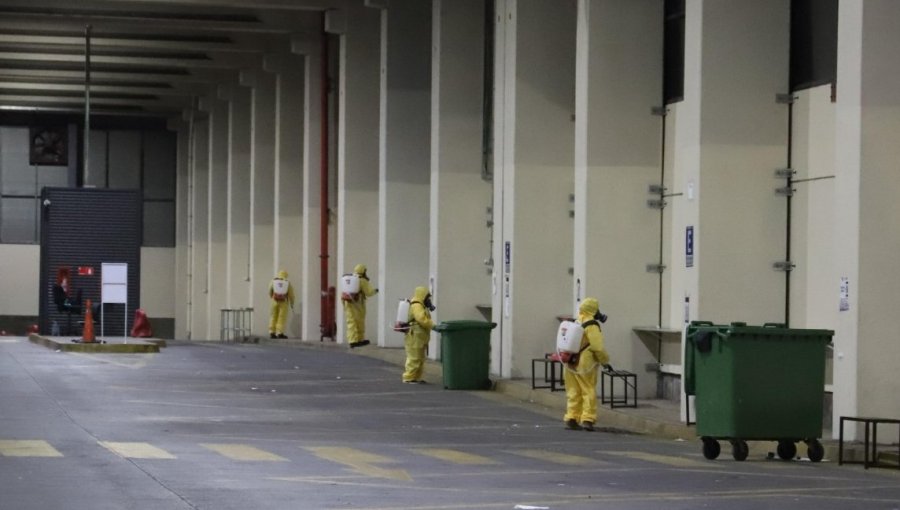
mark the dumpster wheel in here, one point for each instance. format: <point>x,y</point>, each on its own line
<point>711,448</point>
<point>787,450</point>
<point>816,451</point>
<point>739,449</point>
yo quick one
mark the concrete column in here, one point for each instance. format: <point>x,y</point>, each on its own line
<point>238,242</point>
<point>199,225</point>
<point>459,237</point>
<point>617,140</point>
<point>357,150</point>
<point>262,193</point>
<point>813,210</point>
<point>866,188</point>
<point>536,58</point>
<point>404,159</point>
<point>217,221</point>
<point>310,296</point>
<point>730,135</point>
<point>182,269</point>
<point>288,178</point>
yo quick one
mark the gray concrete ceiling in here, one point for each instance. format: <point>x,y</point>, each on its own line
<point>148,57</point>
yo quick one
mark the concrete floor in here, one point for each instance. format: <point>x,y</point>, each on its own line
<point>244,426</point>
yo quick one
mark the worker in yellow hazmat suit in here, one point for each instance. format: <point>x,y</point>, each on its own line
<point>581,376</point>
<point>416,340</point>
<point>355,309</point>
<point>281,293</point>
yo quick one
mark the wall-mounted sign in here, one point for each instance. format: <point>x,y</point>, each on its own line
<point>844,304</point>
<point>85,271</point>
<point>689,246</point>
<point>506,256</point>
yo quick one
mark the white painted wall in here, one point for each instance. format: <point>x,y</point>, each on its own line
<point>182,272</point>
<point>879,240</point>
<point>289,181</point>
<point>731,130</point>
<point>157,291</point>
<point>262,192</point>
<point>357,156</point>
<point>460,239</point>
<point>536,195</point>
<point>19,273</point>
<point>217,219</point>
<point>621,140</point>
<point>238,242</point>
<point>404,166</point>
<point>200,328</point>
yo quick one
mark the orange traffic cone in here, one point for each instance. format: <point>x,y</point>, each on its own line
<point>87,336</point>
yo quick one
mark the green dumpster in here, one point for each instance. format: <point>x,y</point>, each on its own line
<point>466,354</point>
<point>763,383</point>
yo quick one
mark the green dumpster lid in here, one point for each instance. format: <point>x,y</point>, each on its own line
<point>736,329</point>
<point>464,325</point>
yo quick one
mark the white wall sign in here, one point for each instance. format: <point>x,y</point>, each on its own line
<point>113,289</point>
<point>844,294</point>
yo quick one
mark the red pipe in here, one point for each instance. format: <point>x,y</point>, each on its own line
<point>326,325</point>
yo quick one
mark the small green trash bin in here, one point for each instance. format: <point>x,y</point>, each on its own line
<point>758,383</point>
<point>466,354</point>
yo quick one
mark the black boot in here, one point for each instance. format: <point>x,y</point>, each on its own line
<point>572,424</point>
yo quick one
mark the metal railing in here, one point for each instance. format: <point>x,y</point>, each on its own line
<point>235,324</point>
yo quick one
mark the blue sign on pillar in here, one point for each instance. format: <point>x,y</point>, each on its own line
<point>689,246</point>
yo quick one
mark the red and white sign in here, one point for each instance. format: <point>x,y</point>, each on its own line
<point>85,271</point>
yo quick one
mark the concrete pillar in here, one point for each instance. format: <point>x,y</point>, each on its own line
<point>617,140</point>
<point>182,270</point>
<point>534,136</point>
<point>357,151</point>
<point>262,193</point>
<point>813,210</point>
<point>310,296</point>
<point>730,135</point>
<point>199,226</point>
<point>404,159</point>
<point>217,220</point>
<point>460,240</point>
<point>866,187</point>
<point>288,177</point>
<point>238,242</point>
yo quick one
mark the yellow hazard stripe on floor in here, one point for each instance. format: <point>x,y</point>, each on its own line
<point>136,450</point>
<point>243,452</point>
<point>668,460</point>
<point>362,462</point>
<point>455,456</point>
<point>556,457</point>
<point>27,448</point>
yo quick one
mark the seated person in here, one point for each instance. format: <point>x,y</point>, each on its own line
<point>64,304</point>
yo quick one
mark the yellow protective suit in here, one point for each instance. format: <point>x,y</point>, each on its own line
<point>581,380</point>
<point>355,310</point>
<point>416,341</point>
<point>278,312</point>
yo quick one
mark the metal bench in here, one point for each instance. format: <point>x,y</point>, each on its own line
<point>627,379</point>
<point>870,458</point>
<point>550,361</point>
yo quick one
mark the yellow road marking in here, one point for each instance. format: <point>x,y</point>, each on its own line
<point>27,448</point>
<point>556,457</point>
<point>243,452</point>
<point>455,456</point>
<point>361,462</point>
<point>136,450</point>
<point>668,460</point>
